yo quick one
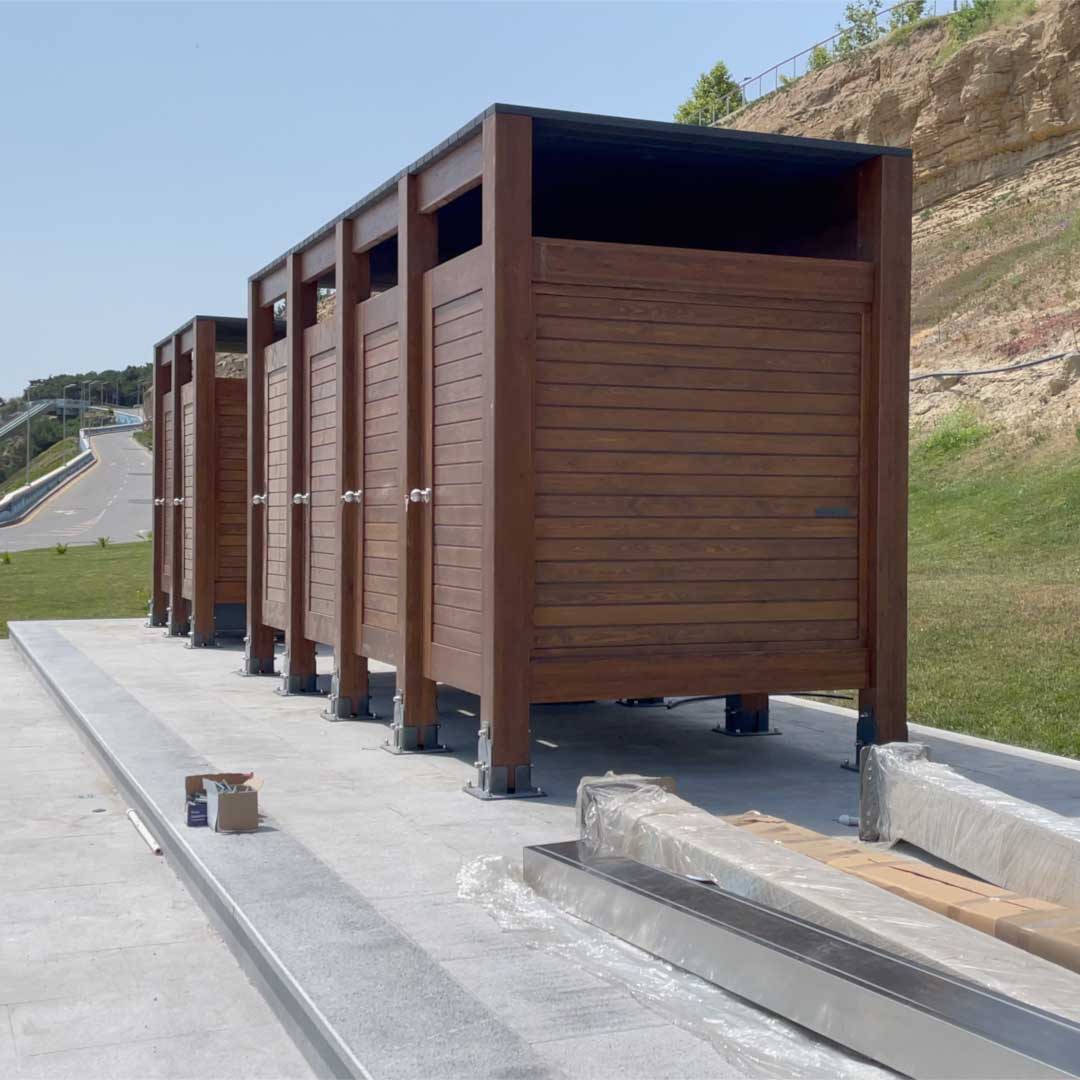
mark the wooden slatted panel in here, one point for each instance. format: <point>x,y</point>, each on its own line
<point>697,471</point>
<point>166,545</point>
<point>457,345</point>
<point>188,509</point>
<point>277,493</point>
<point>322,472</point>
<point>379,348</point>
<point>230,408</point>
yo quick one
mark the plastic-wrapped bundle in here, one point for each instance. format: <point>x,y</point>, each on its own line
<point>644,822</point>
<point>1006,841</point>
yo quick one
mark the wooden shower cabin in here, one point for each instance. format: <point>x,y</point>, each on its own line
<point>200,481</point>
<point>606,408</point>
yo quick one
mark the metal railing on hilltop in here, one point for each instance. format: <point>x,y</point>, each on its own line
<point>753,89</point>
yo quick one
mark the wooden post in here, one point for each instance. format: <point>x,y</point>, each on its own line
<point>259,642</point>
<point>204,482</point>
<point>349,688</point>
<point>884,238</point>
<point>179,615</point>
<point>159,600</point>
<point>504,761</point>
<point>298,665</point>
<point>416,720</point>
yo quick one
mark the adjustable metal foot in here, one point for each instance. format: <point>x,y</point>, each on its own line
<point>256,665</point>
<point>503,782</point>
<point>343,707</point>
<point>865,735</point>
<point>745,718</point>
<point>201,641</point>
<point>641,702</point>
<point>291,685</point>
<point>409,739</point>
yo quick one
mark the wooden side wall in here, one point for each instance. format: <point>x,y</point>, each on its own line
<point>230,510</point>
<point>379,351</point>
<point>697,471</point>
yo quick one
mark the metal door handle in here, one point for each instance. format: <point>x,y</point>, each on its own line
<point>178,502</point>
<point>258,500</point>
<point>352,497</point>
<point>420,495</point>
<point>301,499</point>
<point>159,502</point>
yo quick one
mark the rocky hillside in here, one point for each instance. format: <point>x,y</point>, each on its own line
<point>995,130</point>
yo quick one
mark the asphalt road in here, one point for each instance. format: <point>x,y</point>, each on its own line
<point>113,498</point>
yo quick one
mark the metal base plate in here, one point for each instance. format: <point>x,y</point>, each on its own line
<point>487,796</point>
<point>397,751</point>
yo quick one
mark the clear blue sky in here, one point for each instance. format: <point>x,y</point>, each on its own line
<point>152,156</point>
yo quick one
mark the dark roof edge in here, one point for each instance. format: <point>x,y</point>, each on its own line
<point>235,321</point>
<point>688,132</point>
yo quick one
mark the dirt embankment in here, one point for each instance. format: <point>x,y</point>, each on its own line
<point>995,132</point>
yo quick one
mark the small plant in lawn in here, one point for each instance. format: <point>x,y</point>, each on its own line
<point>103,541</point>
<point>5,556</point>
<point>61,549</point>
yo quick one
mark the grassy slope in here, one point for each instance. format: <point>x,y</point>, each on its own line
<point>45,462</point>
<point>995,588</point>
<point>84,583</point>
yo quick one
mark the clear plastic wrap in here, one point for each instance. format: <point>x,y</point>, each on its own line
<point>749,1041</point>
<point>1006,841</point>
<point>656,827</point>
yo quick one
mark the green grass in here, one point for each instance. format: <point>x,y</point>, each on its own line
<point>45,462</point>
<point>980,16</point>
<point>145,437</point>
<point>84,583</point>
<point>995,588</point>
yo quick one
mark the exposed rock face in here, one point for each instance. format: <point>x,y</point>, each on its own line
<point>1004,100</point>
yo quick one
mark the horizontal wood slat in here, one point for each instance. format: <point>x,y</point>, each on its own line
<point>727,273</point>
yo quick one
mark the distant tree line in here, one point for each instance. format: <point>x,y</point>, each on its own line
<point>119,387</point>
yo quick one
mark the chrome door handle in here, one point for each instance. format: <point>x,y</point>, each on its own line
<point>352,497</point>
<point>178,502</point>
<point>159,502</point>
<point>258,500</point>
<point>420,495</point>
<point>301,499</point>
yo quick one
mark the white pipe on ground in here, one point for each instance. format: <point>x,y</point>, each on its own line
<point>143,831</point>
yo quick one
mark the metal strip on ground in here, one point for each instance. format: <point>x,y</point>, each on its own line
<point>912,1019</point>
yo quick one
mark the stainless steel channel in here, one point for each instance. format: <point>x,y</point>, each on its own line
<point>908,1017</point>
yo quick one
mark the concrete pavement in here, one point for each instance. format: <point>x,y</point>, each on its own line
<point>113,498</point>
<point>108,968</point>
<point>362,852</point>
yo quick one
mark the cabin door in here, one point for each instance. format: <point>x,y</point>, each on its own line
<point>187,507</point>
<point>321,487</point>
<point>453,438</point>
<point>167,493</point>
<point>278,496</point>
<point>379,355</point>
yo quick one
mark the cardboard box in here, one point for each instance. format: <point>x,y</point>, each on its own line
<point>824,849</point>
<point>938,896</point>
<point>1053,935</point>
<point>235,811</point>
<point>850,863</point>
<point>782,832</point>
<point>983,914</point>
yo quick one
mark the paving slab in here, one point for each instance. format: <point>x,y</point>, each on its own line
<point>353,879</point>
<point>104,956</point>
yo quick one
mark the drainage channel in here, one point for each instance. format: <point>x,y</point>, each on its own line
<point>908,1017</point>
